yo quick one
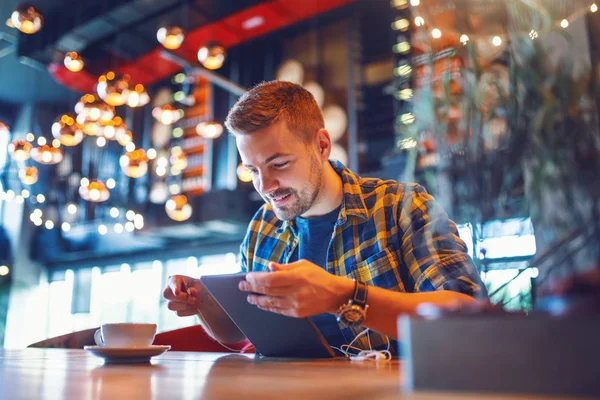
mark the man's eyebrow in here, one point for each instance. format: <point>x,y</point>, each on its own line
<point>271,158</point>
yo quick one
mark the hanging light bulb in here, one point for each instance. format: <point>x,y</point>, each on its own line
<point>134,163</point>
<point>67,130</point>
<point>4,128</point>
<point>46,154</point>
<point>112,129</point>
<point>113,89</point>
<point>91,109</point>
<point>244,173</point>
<point>209,129</point>
<point>73,61</point>
<point>125,138</point>
<point>212,55</point>
<point>95,191</point>
<point>20,149</point>
<point>178,159</point>
<point>138,97</point>
<point>29,175</point>
<point>27,19</point>
<point>170,37</point>
<point>178,208</point>
<point>167,114</point>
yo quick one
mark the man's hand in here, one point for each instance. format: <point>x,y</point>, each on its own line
<point>299,289</point>
<point>182,295</point>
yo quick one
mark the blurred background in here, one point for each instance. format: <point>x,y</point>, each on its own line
<point>116,170</point>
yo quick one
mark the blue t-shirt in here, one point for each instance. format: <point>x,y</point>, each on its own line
<point>314,237</point>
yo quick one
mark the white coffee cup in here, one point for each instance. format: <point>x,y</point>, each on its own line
<point>125,335</point>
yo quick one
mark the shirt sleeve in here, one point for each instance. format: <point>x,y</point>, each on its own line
<point>243,259</point>
<point>435,255</point>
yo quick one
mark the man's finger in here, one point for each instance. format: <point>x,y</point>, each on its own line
<point>273,266</point>
<point>178,287</point>
<point>178,306</point>
<point>168,293</point>
<point>272,279</point>
<point>270,301</point>
<point>187,313</point>
<point>270,291</point>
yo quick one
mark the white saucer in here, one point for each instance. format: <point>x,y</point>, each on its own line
<point>127,355</point>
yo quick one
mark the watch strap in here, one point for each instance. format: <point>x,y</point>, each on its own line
<point>360,294</point>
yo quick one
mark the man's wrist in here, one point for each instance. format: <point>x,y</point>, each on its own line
<point>344,292</point>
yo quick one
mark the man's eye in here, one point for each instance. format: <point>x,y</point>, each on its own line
<point>281,165</point>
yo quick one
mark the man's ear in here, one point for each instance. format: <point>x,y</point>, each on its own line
<point>324,143</point>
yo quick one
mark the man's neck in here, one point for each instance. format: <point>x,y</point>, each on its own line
<point>330,195</point>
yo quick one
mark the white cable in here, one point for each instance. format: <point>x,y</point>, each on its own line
<point>365,355</point>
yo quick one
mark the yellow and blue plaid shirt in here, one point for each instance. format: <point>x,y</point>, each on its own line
<point>388,234</point>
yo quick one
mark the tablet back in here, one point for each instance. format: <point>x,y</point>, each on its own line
<point>273,335</point>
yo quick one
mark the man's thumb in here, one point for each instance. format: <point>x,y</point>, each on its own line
<point>273,266</point>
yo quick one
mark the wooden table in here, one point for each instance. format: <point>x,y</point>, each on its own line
<point>75,374</point>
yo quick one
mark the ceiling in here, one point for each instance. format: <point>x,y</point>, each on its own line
<point>22,82</point>
<point>121,35</point>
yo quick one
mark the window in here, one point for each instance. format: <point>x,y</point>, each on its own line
<point>503,249</point>
<point>118,293</point>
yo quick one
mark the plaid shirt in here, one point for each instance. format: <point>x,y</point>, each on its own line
<point>388,234</point>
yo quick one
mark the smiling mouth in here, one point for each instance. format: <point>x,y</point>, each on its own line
<point>280,199</point>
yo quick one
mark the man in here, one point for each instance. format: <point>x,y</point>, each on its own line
<point>347,251</point>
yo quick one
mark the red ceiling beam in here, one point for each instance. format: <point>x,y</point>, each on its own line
<point>232,30</point>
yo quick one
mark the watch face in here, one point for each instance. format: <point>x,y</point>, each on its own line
<point>354,315</point>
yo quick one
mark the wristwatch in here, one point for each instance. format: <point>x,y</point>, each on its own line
<point>354,312</point>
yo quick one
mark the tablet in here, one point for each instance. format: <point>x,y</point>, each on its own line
<point>271,334</point>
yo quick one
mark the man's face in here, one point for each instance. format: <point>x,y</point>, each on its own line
<point>286,171</point>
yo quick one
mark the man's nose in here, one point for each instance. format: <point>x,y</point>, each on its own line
<point>267,183</point>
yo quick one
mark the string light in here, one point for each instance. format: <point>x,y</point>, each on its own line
<point>464,39</point>
<point>436,33</point>
<point>564,23</point>
<point>66,227</point>
<point>419,21</point>
<point>400,4</point>
<point>407,118</point>
<point>401,48</point>
<point>404,94</point>
<point>400,25</point>
<point>533,34</point>
<point>415,3</point>
<point>403,70</point>
<point>593,8</point>
<point>497,41</point>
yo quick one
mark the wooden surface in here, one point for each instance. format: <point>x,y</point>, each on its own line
<point>76,374</point>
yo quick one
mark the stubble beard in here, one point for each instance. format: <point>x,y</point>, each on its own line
<point>302,200</point>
